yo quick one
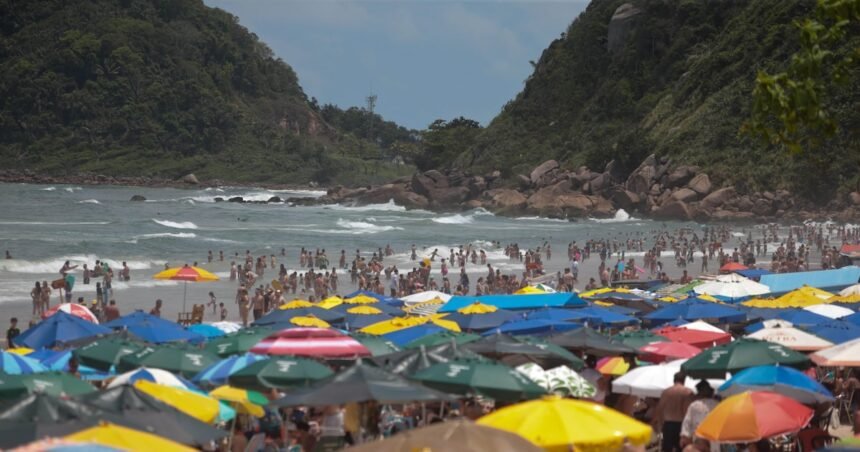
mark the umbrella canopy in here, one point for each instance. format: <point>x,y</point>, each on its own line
<point>58,329</point>
<point>361,383</point>
<point>205,330</point>
<point>227,327</point>
<point>53,383</point>
<point>103,354</point>
<point>443,337</point>
<point>850,290</point>
<point>281,316</point>
<point>384,308</point>
<point>732,267</point>
<point>732,286</point>
<point>237,342</point>
<point>798,298</point>
<point>156,416</point>
<point>751,416</point>
<point>152,328</point>
<point>245,401</point>
<point>559,380</point>
<point>127,439</point>
<point>739,355</point>
<point>427,295</point>
<point>77,310</point>
<point>13,364</point>
<point>612,365</point>
<point>659,352</point>
<point>316,342</point>
<point>217,373</point>
<point>519,350</point>
<point>779,379</point>
<point>466,435</point>
<point>358,321</point>
<point>377,345</point>
<point>829,310</point>
<point>186,274</point>
<point>534,327</point>
<point>696,310</point>
<point>159,376</point>
<point>701,325</point>
<point>400,323</point>
<point>590,341</point>
<point>792,338</point>
<point>836,331</point>
<point>197,405</point>
<point>560,315</point>
<point>479,377</point>
<point>309,321</point>
<point>481,317</point>
<point>558,424</point>
<point>638,338</point>
<point>697,338</point>
<point>407,335</point>
<point>409,361</point>
<point>846,354</point>
<point>281,373</point>
<point>608,316</point>
<point>296,304</point>
<point>529,290</point>
<point>651,381</point>
<point>179,360</point>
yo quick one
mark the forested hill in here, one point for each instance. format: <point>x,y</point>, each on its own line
<point>163,88</point>
<point>671,77</point>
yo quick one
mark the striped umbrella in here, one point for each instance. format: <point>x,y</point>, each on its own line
<point>186,273</point>
<point>13,364</point>
<point>614,365</point>
<point>315,342</point>
<point>159,376</point>
<point>217,373</point>
<point>77,310</point>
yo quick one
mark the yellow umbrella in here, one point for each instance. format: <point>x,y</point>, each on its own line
<point>558,424</point>
<point>330,302</point>
<point>186,273</point>
<point>603,303</point>
<point>527,290</point>
<point>310,321</point>
<point>400,323</point>
<point>364,310</point>
<point>20,351</point>
<point>591,293</point>
<point>853,298</point>
<point>668,299</point>
<point>198,406</point>
<point>707,297</point>
<point>760,303</point>
<point>478,308</point>
<point>248,402</point>
<point>296,304</point>
<point>361,299</point>
<point>418,307</point>
<point>113,435</point>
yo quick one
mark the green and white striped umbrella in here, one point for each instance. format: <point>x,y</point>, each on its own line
<point>560,380</point>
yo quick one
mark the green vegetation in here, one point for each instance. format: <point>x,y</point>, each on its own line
<point>163,88</point>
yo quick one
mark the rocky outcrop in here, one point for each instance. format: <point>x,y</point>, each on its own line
<point>672,210</point>
<point>504,200</point>
<point>190,179</point>
<point>543,173</point>
<point>560,201</point>
<point>701,184</point>
<point>621,26</point>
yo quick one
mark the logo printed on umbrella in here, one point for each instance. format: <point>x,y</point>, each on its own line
<point>195,359</point>
<point>715,356</point>
<point>222,348</point>
<point>41,385</point>
<point>779,349</point>
<point>455,369</point>
<point>284,366</point>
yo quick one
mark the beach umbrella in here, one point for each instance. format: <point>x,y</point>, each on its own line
<point>479,377</point>
<point>801,318</point>
<point>361,299</point>
<point>732,286</point>
<point>612,365</point>
<point>384,308</point>
<point>589,341</point>
<point>516,350</point>
<point>479,317</point>
<point>658,352</point>
<point>58,329</point>
<point>63,445</point>
<point>466,435</point>
<point>409,361</point>
<point>402,337</point>
<point>798,298</point>
<point>528,290</point>
<point>205,330</point>
<point>185,274</point>
<point>696,310</point>
<point>829,310</point>
<point>400,323</point>
<point>377,345</point>
<point>113,435</point>
<point>779,379</point>
<point>152,415</point>
<point>283,372</point>
<point>309,321</point>
<point>180,360</point>
<point>533,327</point>
<point>314,342</point>
<point>296,304</point>
<point>282,316</point>
<point>697,338</point>
<point>836,331</point>
<point>610,315</point>
<point>358,317</point>
<point>651,381</point>
<point>13,364</point>
<point>637,338</point>
<point>848,301</point>
<point>850,290</point>
<point>77,310</point>
<point>751,416</point>
<point>159,376</point>
<point>245,401</point>
<point>846,354</point>
<point>153,329</point>
<point>732,267</point>
<point>792,338</point>
<point>561,315</point>
<point>53,383</point>
<point>853,318</point>
<point>197,405</point>
<point>700,325</point>
<point>557,424</point>
<point>443,337</point>
<point>227,327</point>
<point>238,342</point>
<point>361,383</point>
<point>738,355</point>
<point>559,380</point>
<point>330,302</point>
<point>216,374</point>
<point>104,354</point>
<point>20,351</point>
<point>427,295</point>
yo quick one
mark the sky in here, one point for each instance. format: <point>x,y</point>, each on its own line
<point>423,59</point>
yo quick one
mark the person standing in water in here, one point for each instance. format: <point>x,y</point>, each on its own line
<point>45,293</point>
<point>36,295</point>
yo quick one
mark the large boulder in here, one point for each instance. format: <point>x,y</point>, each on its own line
<point>641,179</point>
<point>505,200</point>
<point>422,184</point>
<point>138,198</point>
<point>719,197</point>
<point>680,176</point>
<point>544,171</point>
<point>621,26</point>
<point>560,201</point>
<point>672,210</point>
<point>727,215</point>
<point>701,184</point>
<point>686,195</point>
<point>396,192</point>
<point>625,199</point>
<point>190,179</point>
<point>855,198</point>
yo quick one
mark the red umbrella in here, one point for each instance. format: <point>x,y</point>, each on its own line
<point>696,338</point>
<point>76,310</point>
<point>750,416</point>
<point>659,352</point>
<point>311,342</point>
<point>732,267</point>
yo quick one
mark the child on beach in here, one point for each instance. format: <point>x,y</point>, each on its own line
<point>223,311</point>
<point>212,302</point>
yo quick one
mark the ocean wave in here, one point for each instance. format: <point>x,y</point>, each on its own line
<point>48,189</point>
<point>454,219</point>
<point>621,216</point>
<point>53,265</point>
<point>537,218</point>
<point>177,235</point>
<point>390,206</point>
<point>361,227</point>
<point>89,201</point>
<point>72,189</point>
<point>176,225</point>
<point>53,223</point>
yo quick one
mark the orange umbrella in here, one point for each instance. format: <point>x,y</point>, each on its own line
<point>186,273</point>
<point>615,365</point>
<point>750,416</point>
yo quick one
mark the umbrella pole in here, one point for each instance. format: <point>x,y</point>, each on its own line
<point>232,428</point>
<point>184,293</point>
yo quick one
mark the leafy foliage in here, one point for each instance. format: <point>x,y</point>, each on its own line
<point>444,140</point>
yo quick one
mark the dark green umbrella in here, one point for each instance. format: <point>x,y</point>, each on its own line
<point>637,339</point>
<point>362,383</point>
<point>407,362</point>
<point>106,353</point>
<point>739,355</point>
<point>281,372</point>
<point>479,377</point>
<point>184,360</point>
<point>152,415</point>
<point>443,337</point>
<point>52,383</point>
<point>236,343</point>
<point>377,345</point>
<point>589,341</point>
<point>518,350</point>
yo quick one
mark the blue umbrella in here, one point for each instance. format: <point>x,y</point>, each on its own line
<point>384,307</point>
<point>154,329</point>
<point>205,330</point>
<point>216,374</point>
<point>533,327</point>
<point>13,364</point>
<point>59,361</point>
<point>277,316</point>
<point>559,315</point>
<point>605,316</point>
<point>853,318</point>
<point>383,298</point>
<point>623,310</point>
<point>836,331</point>
<point>803,318</point>
<point>407,335</point>
<point>58,329</point>
<point>691,310</point>
<point>359,321</point>
<point>482,322</point>
<point>781,379</point>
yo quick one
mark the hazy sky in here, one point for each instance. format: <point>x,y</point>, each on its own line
<point>424,59</point>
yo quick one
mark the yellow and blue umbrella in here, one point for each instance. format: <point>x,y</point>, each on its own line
<point>13,364</point>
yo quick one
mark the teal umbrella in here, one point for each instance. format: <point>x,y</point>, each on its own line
<point>637,339</point>
<point>517,350</point>
<point>237,343</point>
<point>479,377</point>
<point>282,372</point>
<point>179,360</point>
<point>443,337</point>
<point>106,353</point>
<point>739,355</point>
<point>52,383</point>
<point>377,345</point>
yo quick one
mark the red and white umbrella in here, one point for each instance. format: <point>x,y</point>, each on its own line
<point>76,310</point>
<point>311,342</point>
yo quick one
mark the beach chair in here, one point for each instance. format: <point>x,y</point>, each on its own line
<point>184,318</point>
<point>197,314</point>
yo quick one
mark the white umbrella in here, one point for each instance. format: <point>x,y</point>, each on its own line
<point>427,295</point>
<point>829,310</point>
<point>792,338</point>
<point>701,325</point>
<point>850,290</point>
<point>732,286</point>
<point>227,327</point>
<point>776,323</point>
<point>846,354</point>
<point>651,381</point>
<point>159,376</point>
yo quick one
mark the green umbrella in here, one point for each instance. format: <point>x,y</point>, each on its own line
<point>409,361</point>
<point>377,345</point>
<point>638,338</point>
<point>236,343</point>
<point>479,377</point>
<point>172,358</point>
<point>590,341</point>
<point>53,383</point>
<point>739,355</point>
<point>516,350</point>
<point>282,372</point>
<point>443,337</point>
<point>105,353</point>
